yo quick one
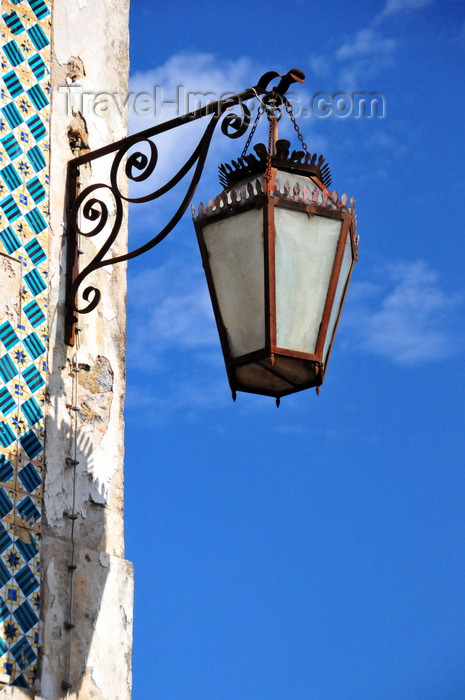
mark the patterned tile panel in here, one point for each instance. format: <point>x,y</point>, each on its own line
<point>24,217</point>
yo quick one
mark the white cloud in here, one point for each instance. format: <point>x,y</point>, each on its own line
<point>366,42</point>
<point>183,320</point>
<point>174,353</point>
<point>394,7</point>
<point>172,343</point>
<point>363,56</point>
<point>170,311</point>
<point>366,52</point>
<point>171,90</point>
<point>191,395</point>
<point>359,59</point>
<point>181,84</point>
<point>408,319</point>
<point>177,87</point>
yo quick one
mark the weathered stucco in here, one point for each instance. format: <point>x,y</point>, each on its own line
<point>90,50</point>
<point>10,288</point>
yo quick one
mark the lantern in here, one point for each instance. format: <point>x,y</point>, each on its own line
<point>278,250</point>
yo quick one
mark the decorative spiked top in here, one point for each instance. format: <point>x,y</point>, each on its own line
<point>298,161</point>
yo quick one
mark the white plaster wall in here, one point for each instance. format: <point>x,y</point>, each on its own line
<point>90,47</point>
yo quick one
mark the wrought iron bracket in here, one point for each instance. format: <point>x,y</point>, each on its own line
<point>98,208</point>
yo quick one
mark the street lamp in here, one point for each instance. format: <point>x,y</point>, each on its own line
<point>278,248</point>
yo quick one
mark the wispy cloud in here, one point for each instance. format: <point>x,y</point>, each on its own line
<point>362,57</point>
<point>394,7</point>
<point>187,80</point>
<point>173,346</point>
<point>366,53</point>
<point>176,87</point>
<point>408,317</point>
<point>170,310</point>
<point>366,42</point>
<point>179,85</point>
<point>170,90</point>
<point>190,394</point>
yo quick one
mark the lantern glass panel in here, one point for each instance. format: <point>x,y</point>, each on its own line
<point>347,262</point>
<point>305,251</point>
<point>236,258</point>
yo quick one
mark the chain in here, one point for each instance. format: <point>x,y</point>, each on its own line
<point>271,118</point>
<point>269,151</point>
<point>261,109</point>
<point>290,112</point>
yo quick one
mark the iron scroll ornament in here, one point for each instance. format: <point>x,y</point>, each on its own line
<point>88,206</point>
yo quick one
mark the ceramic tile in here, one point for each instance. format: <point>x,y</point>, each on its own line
<point>24,221</point>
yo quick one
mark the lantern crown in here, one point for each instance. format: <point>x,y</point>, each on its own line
<point>283,159</point>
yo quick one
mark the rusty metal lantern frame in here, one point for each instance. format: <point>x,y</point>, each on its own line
<point>268,194</point>
<point>294,181</point>
<point>88,206</point>
<point>251,183</point>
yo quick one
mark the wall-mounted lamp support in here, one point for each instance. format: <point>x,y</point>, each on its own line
<point>89,211</point>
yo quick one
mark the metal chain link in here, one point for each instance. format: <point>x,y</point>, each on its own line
<point>271,117</point>
<point>290,112</point>
<point>261,109</point>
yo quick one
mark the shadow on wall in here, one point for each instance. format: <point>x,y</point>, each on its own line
<point>82,480</point>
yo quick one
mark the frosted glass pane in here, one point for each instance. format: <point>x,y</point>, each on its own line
<point>339,297</point>
<point>235,247</point>
<point>305,251</point>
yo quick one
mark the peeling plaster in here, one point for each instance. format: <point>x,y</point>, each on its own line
<point>90,43</point>
<point>104,559</point>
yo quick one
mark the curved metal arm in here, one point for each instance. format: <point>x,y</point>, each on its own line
<point>89,207</point>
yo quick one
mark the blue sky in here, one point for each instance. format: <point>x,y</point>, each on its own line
<point>315,551</point>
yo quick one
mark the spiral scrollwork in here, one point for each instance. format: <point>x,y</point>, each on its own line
<point>235,125</point>
<point>140,162</point>
<point>138,166</point>
<point>92,209</point>
<point>92,295</point>
<point>89,212</point>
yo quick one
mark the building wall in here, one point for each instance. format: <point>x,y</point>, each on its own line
<point>65,587</point>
